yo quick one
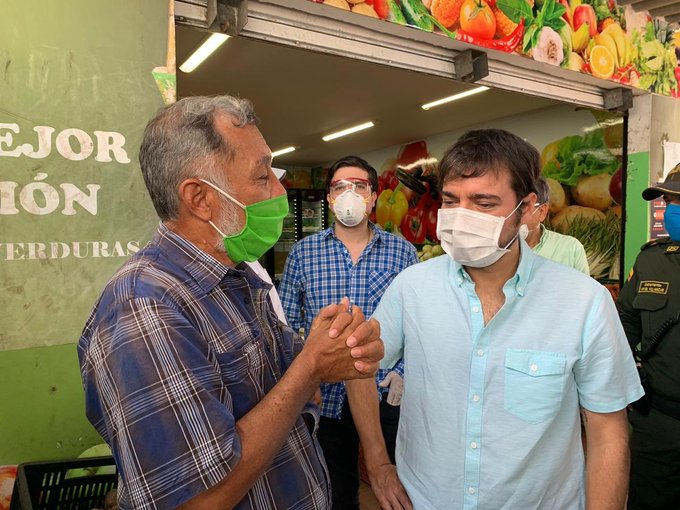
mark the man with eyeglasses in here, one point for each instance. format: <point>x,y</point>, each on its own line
<point>352,258</point>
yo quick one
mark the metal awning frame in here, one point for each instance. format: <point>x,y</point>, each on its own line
<point>311,26</point>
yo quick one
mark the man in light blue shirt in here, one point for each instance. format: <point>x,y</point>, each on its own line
<point>502,348</point>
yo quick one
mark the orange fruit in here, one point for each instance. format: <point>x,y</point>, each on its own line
<point>602,62</point>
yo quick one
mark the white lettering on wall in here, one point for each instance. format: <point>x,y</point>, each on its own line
<point>61,250</point>
<point>6,140</point>
<point>110,141</point>
<point>44,143</point>
<point>71,143</point>
<point>64,147</point>
<point>41,198</point>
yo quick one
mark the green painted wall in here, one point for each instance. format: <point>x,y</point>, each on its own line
<point>43,405</point>
<point>78,68</point>
<point>637,209</point>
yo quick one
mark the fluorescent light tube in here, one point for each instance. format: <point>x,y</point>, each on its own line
<point>204,51</point>
<point>462,95</point>
<point>283,151</point>
<point>347,131</point>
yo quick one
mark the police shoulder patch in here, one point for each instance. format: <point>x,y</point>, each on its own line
<point>673,248</point>
<point>653,287</point>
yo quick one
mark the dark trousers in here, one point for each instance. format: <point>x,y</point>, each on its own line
<point>340,444</point>
<point>655,462</point>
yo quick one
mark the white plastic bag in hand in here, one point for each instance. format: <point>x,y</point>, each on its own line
<point>395,383</point>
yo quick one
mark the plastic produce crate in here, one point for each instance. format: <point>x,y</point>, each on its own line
<point>46,485</point>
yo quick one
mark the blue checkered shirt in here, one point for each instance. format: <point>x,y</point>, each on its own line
<point>178,348</point>
<point>319,271</point>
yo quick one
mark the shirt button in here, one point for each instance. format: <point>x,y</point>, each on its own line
<point>471,490</point>
<point>475,398</point>
<point>534,367</point>
<point>473,445</point>
<point>475,309</point>
<point>480,352</point>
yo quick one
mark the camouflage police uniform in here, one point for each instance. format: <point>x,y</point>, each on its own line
<point>649,308</point>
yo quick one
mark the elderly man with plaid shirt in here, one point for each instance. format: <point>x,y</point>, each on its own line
<point>201,392</point>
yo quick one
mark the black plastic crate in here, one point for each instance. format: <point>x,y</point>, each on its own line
<point>45,486</point>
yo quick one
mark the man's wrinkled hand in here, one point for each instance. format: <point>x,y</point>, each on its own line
<point>342,345</point>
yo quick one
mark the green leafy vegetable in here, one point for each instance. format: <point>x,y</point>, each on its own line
<point>549,15</point>
<point>581,155</point>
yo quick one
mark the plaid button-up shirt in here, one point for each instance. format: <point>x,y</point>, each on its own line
<point>178,348</point>
<point>319,271</point>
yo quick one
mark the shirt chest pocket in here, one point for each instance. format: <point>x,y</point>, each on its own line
<point>242,374</point>
<point>652,311</point>
<point>534,383</point>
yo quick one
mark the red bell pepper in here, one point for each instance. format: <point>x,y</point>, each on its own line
<point>387,180</point>
<point>430,206</point>
<point>413,227</point>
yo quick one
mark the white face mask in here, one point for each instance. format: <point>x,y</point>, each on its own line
<point>349,208</point>
<point>470,237</point>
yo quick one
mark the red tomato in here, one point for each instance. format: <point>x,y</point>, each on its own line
<point>477,19</point>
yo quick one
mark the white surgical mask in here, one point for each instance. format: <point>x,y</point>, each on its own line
<point>470,237</point>
<point>349,208</point>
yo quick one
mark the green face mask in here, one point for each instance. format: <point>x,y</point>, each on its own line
<point>264,223</point>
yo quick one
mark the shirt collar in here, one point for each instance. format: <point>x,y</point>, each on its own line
<point>206,270</point>
<point>378,233</point>
<point>520,279</point>
<point>541,239</point>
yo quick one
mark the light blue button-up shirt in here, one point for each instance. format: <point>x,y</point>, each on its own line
<point>490,414</point>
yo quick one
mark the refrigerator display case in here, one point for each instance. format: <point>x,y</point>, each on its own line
<point>307,215</point>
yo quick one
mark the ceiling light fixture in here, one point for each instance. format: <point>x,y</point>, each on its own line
<point>283,151</point>
<point>347,131</point>
<point>203,51</point>
<point>456,97</point>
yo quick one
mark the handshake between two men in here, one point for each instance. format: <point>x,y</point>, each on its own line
<point>342,345</point>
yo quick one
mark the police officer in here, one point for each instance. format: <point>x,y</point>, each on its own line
<point>649,307</point>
